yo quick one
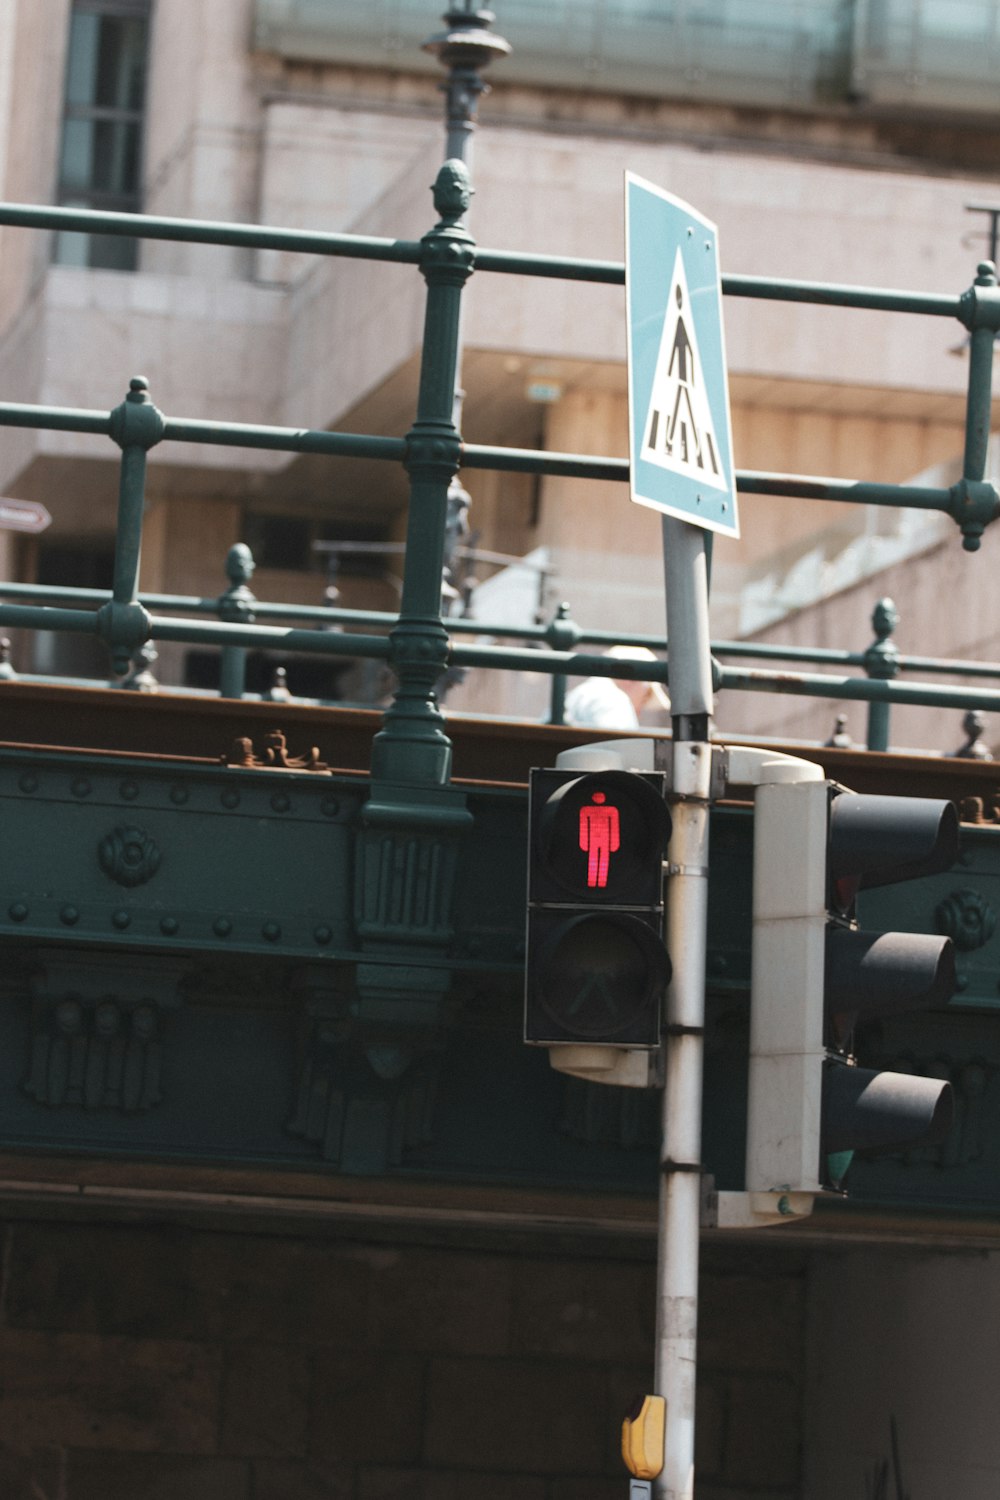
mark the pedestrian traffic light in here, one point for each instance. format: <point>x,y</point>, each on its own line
<point>815,973</point>
<point>596,967</point>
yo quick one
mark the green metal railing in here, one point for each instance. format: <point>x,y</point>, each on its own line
<point>881,662</point>
<point>412,747</point>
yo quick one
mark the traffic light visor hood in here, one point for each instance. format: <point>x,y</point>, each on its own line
<point>882,840</point>
<point>887,973</point>
<point>880,1112</point>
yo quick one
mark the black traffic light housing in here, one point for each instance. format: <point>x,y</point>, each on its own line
<point>596,967</point>
<point>816,973</point>
<point>876,841</point>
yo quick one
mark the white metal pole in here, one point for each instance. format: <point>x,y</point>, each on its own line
<point>685,562</point>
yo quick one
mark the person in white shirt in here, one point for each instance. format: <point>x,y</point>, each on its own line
<point>615,702</point>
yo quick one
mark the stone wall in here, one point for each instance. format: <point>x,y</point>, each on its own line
<point>173,1363</point>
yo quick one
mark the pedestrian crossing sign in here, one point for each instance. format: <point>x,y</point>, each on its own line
<point>679,427</point>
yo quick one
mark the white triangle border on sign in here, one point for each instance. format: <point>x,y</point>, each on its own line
<point>651,485</point>
<point>664,412</point>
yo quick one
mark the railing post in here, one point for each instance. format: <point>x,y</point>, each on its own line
<point>236,606</point>
<point>412,746</point>
<point>136,426</point>
<point>974,500</point>
<point>413,823</point>
<point>882,663</point>
<point>562,635</point>
<point>979,399</point>
<point>973,748</point>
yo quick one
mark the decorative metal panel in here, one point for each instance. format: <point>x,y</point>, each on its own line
<point>114,851</point>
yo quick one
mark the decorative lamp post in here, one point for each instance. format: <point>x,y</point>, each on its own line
<point>465,48</point>
<point>415,818</point>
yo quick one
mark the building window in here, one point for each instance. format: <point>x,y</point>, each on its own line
<point>306,543</point>
<point>82,562</point>
<point>100,159</point>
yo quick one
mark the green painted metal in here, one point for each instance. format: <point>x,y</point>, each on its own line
<point>971,503</point>
<point>552,633</point>
<point>484,456</point>
<point>235,972</point>
<point>206,853</point>
<point>238,605</point>
<point>209,232</point>
<point>412,743</point>
<point>853,689</point>
<point>881,663</point>
<point>136,426</point>
<point>204,633</point>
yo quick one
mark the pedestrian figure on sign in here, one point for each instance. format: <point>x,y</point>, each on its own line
<point>600,836</point>
<point>681,351</point>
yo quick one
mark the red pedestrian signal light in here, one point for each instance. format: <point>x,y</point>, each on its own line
<point>600,837</point>
<point>596,965</point>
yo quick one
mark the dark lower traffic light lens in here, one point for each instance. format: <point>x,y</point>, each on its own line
<point>602,976</point>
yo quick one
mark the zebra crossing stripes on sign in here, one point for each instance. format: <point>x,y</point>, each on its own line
<point>680,433</point>
<point>681,443</point>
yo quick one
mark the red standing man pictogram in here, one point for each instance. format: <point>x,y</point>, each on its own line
<point>599,838</point>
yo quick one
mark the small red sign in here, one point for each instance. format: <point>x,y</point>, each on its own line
<point>23,515</point>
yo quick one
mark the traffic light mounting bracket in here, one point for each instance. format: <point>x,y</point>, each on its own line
<point>814,972</point>
<point>789,917</point>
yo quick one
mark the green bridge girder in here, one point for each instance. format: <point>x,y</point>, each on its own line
<point>188,976</point>
<point>236,955</point>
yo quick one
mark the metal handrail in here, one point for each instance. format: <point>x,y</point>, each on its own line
<point>323,615</point>
<point>124,616</point>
